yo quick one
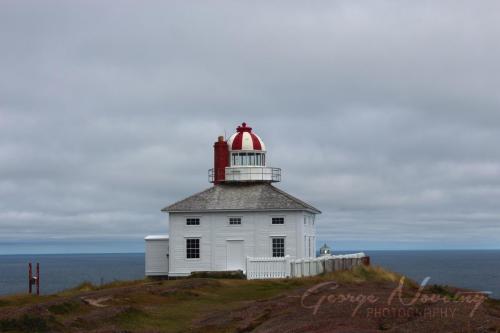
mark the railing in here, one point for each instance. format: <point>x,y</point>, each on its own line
<point>283,267</point>
<point>246,173</point>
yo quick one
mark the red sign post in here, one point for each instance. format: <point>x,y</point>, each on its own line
<point>34,280</point>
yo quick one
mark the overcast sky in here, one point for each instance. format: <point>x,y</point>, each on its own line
<point>384,115</point>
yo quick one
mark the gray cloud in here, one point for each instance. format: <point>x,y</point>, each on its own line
<point>385,115</point>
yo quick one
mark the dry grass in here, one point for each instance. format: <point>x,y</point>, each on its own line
<point>169,306</point>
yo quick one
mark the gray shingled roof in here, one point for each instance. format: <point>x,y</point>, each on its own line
<point>258,196</point>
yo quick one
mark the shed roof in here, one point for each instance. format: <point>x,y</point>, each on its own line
<point>242,197</point>
<point>156,237</point>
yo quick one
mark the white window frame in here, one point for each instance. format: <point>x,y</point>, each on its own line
<point>278,217</point>
<point>272,246</point>
<point>234,224</point>
<point>186,247</point>
<point>192,218</point>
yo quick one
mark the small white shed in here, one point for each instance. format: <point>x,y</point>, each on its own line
<point>157,255</point>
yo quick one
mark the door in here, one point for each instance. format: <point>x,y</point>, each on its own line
<point>235,255</point>
<point>156,257</point>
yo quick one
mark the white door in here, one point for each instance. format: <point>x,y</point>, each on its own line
<point>156,257</point>
<point>235,255</point>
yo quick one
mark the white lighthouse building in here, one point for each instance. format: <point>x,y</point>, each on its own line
<point>242,215</point>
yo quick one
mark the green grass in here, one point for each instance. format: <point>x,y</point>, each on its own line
<point>176,312</point>
<point>23,299</point>
<point>26,323</point>
<point>169,305</point>
<point>64,308</point>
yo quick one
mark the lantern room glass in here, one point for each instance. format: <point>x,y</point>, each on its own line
<point>248,159</point>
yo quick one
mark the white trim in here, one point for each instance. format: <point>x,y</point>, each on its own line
<point>172,274</point>
<point>185,248</point>
<point>186,217</point>
<point>156,237</point>
<point>234,224</point>
<point>277,216</point>
<point>284,245</point>
<point>243,210</point>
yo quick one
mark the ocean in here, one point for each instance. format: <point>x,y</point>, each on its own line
<point>63,271</point>
<point>474,269</point>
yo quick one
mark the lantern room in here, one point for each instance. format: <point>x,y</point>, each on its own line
<point>242,158</point>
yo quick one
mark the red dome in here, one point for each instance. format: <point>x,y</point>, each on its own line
<point>244,139</point>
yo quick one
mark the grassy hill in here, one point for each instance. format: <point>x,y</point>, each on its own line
<point>327,303</point>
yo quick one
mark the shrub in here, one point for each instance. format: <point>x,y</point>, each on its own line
<point>63,308</point>
<point>26,323</point>
<point>219,275</point>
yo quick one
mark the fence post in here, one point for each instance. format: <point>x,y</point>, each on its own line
<point>30,277</point>
<point>365,261</point>
<point>287,266</point>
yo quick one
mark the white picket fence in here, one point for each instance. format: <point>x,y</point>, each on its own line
<point>283,267</point>
<point>268,268</point>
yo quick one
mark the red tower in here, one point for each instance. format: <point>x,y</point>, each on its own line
<point>221,160</point>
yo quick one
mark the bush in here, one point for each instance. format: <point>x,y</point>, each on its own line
<point>63,308</point>
<point>219,275</point>
<point>26,323</point>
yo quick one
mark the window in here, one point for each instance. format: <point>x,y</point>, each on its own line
<point>278,247</point>
<point>235,220</point>
<point>192,221</point>
<point>192,248</point>
<point>278,220</point>
<point>247,159</point>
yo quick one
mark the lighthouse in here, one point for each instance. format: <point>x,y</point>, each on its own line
<point>242,215</point>
<point>242,158</point>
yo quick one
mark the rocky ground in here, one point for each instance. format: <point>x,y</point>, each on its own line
<point>363,300</point>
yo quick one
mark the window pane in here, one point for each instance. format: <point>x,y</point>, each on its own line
<point>235,220</point>
<point>251,159</point>
<point>278,245</point>
<point>192,248</point>
<point>192,221</point>
<point>278,220</point>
